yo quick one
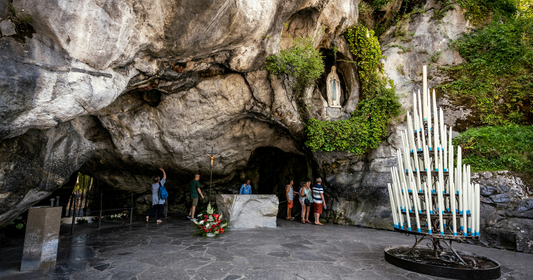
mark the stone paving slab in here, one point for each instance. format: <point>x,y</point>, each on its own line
<point>290,251</point>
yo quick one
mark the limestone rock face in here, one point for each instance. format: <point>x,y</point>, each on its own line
<point>119,88</point>
<point>248,211</point>
<point>506,210</point>
<point>7,28</point>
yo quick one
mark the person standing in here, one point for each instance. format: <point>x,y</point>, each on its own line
<point>306,199</point>
<point>246,188</point>
<point>289,193</point>
<point>194,188</point>
<point>157,201</point>
<point>318,200</point>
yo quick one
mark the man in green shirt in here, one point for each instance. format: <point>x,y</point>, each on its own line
<point>194,187</point>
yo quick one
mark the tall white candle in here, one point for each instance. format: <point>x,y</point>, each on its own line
<point>421,122</point>
<point>459,184</point>
<point>411,134</point>
<point>453,191</point>
<point>424,90</point>
<point>393,210</point>
<point>443,140</point>
<point>397,193</point>
<point>478,209</point>
<point>415,203</point>
<point>403,182</point>
<point>465,201</point>
<point>427,196</point>
<point>429,179</point>
<point>436,126</point>
<point>406,200</point>
<point>440,205</point>
<point>430,127</point>
<point>416,124</point>
<point>470,198</point>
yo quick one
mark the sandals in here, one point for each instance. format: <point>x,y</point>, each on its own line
<point>308,221</point>
<point>303,221</point>
<point>319,224</point>
<point>292,219</point>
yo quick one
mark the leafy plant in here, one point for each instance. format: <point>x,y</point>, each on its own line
<point>367,126</point>
<point>404,49</point>
<point>495,148</point>
<point>478,11</point>
<point>435,57</point>
<point>400,69</point>
<point>496,78</point>
<point>302,63</point>
<point>19,223</point>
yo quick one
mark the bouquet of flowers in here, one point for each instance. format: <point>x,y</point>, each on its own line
<point>209,223</point>
<point>118,217</point>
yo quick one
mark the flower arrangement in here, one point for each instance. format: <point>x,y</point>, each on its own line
<point>82,221</point>
<point>118,217</point>
<point>209,223</point>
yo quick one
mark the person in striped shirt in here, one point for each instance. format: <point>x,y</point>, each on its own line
<point>318,200</point>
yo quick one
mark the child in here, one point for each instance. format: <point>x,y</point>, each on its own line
<point>289,193</point>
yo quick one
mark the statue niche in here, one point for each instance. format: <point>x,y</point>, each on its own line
<point>333,88</point>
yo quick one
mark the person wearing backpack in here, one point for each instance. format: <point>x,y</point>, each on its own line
<point>159,194</point>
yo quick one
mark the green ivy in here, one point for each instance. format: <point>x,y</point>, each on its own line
<point>367,126</point>
<point>364,45</point>
<point>302,63</point>
<point>495,148</point>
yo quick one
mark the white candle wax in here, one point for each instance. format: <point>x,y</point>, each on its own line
<point>436,124</point>
<point>465,201</point>
<point>411,134</point>
<point>417,124</point>
<point>430,127</point>
<point>429,179</point>
<point>459,184</point>
<point>397,193</point>
<point>415,203</point>
<point>427,196</point>
<point>393,210</point>
<point>453,192</point>
<point>420,121</point>
<point>406,200</point>
<point>443,140</point>
<point>478,209</point>
<point>439,208</point>
<point>424,90</point>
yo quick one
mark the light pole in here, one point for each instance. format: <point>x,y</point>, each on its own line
<point>212,155</point>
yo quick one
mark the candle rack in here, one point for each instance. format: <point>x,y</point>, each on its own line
<point>431,194</point>
<point>446,204</point>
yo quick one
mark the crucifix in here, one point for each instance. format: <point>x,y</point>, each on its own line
<point>212,155</point>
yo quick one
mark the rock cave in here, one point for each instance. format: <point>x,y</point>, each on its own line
<point>158,83</point>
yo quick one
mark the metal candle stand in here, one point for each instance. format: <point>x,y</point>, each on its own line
<point>431,196</point>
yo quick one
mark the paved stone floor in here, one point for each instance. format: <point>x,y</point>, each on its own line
<point>290,251</point>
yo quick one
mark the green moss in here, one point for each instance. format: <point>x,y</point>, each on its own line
<point>496,148</point>
<point>367,126</point>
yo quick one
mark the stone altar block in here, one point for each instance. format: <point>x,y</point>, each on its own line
<point>42,237</point>
<point>248,211</point>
